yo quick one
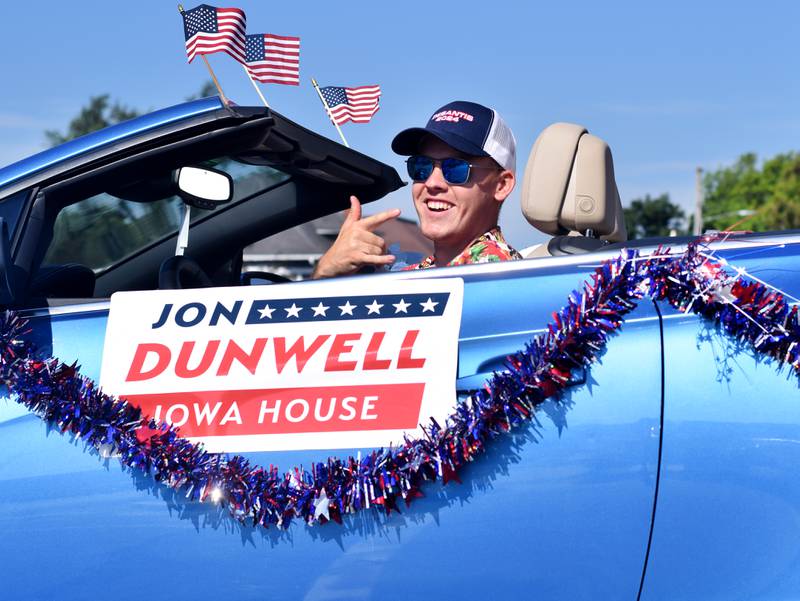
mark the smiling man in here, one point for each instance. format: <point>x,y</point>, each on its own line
<point>462,164</point>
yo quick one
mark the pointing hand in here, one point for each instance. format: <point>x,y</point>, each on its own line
<point>357,245</point>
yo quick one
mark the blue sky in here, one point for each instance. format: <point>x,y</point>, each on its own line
<point>670,86</point>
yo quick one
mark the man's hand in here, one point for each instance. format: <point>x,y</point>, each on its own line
<point>356,245</point>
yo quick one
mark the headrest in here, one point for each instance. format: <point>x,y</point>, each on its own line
<point>569,185</point>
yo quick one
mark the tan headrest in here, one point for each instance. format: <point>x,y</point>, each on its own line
<point>569,185</point>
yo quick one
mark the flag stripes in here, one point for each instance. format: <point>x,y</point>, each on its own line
<point>352,104</point>
<point>208,29</point>
<point>273,58</point>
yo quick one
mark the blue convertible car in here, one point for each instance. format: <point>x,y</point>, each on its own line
<point>663,471</point>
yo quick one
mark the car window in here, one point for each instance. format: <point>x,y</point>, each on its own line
<point>105,228</point>
<point>11,208</point>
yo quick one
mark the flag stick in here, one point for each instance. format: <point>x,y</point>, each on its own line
<point>214,78</point>
<point>328,109</point>
<point>258,90</point>
<point>210,70</point>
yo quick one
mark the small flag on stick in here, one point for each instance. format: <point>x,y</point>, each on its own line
<point>351,104</point>
<point>208,29</point>
<point>273,58</point>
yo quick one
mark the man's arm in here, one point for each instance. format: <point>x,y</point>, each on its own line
<point>356,245</point>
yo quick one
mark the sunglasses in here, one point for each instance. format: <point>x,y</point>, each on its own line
<point>455,171</point>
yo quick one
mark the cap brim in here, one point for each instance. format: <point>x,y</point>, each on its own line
<point>407,142</point>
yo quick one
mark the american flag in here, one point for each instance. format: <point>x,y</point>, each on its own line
<point>208,29</point>
<point>352,104</point>
<point>273,58</point>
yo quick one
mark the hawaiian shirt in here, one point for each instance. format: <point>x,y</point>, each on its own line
<point>488,248</point>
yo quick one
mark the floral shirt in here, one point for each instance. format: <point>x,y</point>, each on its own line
<point>488,248</point>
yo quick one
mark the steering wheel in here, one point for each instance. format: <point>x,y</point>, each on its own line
<point>249,276</point>
<point>179,272</point>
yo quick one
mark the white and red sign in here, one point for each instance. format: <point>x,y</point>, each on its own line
<point>302,366</point>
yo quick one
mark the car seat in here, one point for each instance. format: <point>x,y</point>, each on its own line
<point>180,272</point>
<point>569,192</point>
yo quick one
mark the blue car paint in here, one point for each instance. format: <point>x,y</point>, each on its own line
<point>728,518</point>
<point>572,495</point>
<point>106,137</point>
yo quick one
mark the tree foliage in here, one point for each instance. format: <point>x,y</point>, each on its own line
<point>207,89</point>
<point>760,198</point>
<point>653,217</point>
<point>97,114</point>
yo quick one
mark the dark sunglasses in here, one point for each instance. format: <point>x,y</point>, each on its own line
<point>455,171</point>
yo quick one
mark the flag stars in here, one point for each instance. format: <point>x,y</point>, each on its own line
<point>266,312</point>
<point>200,19</point>
<point>347,308</point>
<point>320,309</point>
<point>401,307</point>
<point>429,305</point>
<point>293,311</point>
<point>374,308</point>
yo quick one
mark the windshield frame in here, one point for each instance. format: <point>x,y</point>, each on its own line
<point>131,214</point>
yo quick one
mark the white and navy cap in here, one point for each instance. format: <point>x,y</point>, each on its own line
<point>469,128</point>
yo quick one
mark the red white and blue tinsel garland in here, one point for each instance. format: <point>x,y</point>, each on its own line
<point>693,281</point>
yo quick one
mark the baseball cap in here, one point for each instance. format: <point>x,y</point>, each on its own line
<point>468,127</point>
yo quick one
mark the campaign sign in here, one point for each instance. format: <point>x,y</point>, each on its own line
<point>319,365</point>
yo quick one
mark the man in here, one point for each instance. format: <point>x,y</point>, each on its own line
<point>462,164</point>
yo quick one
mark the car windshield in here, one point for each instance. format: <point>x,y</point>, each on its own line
<point>103,229</point>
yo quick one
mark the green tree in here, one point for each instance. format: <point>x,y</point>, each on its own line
<point>207,89</point>
<point>760,198</point>
<point>650,217</point>
<point>97,114</point>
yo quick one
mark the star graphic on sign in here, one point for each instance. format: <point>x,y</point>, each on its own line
<point>428,305</point>
<point>374,307</point>
<point>266,312</point>
<point>293,311</point>
<point>347,308</point>
<point>320,309</point>
<point>401,307</point>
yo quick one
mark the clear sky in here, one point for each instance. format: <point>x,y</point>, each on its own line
<point>670,86</point>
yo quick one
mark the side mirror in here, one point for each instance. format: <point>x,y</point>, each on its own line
<point>204,188</point>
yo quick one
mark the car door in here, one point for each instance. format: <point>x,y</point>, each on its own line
<point>559,508</point>
<point>726,525</point>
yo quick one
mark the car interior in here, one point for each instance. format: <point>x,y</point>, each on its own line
<point>282,175</point>
<point>112,225</point>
